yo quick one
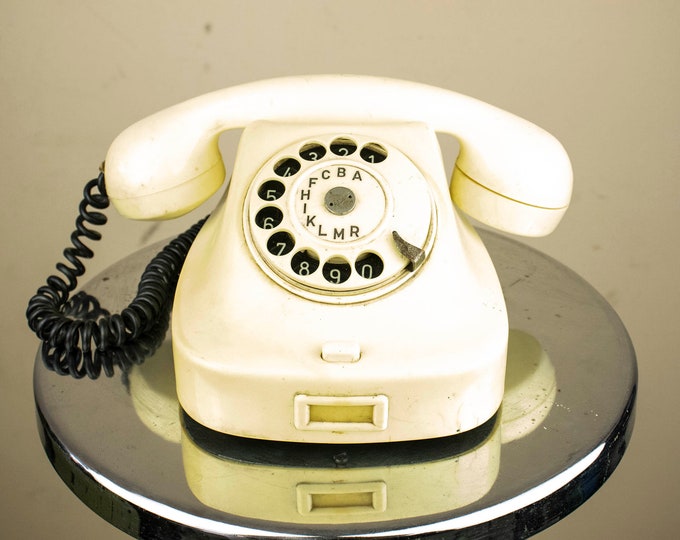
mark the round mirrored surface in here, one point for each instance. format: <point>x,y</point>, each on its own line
<point>125,448</point>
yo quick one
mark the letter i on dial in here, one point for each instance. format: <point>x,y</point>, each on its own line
<point>338,217</point>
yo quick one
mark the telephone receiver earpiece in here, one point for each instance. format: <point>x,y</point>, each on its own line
<point>510,174</point>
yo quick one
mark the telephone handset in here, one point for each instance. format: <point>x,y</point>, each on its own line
<point>336,294</point>
<point>510,174</point>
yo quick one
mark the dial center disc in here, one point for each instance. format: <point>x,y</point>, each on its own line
<point>340,200</point>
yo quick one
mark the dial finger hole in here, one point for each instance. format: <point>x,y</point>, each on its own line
<point>269,217</point>
<point>373,153</point>
<point>312,152</point>
<point>271,190</point>
<point>369,265</point>
<point>280,243</point>
<point>336,270</point>
<point>343,146</point>
<point>287,167</point>
<point>305,262</point>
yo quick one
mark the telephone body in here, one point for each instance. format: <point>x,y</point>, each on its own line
<point>336,295</point>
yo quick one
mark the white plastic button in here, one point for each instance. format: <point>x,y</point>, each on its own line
<point>341,351</point>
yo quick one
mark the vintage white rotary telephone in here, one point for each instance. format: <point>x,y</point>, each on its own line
<point>336,295</point>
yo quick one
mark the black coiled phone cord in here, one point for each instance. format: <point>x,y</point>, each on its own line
<point>79,337</point>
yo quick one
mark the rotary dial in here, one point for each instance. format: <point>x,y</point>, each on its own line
<point>338,217</point>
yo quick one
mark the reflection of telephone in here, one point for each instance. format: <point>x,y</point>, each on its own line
<point>336,295</point>
<point>409,480</point>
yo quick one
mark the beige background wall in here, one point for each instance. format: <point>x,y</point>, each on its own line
<point>603,76</point>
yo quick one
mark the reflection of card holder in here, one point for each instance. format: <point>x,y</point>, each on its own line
<point>331,484</point>
<point>333,499</point>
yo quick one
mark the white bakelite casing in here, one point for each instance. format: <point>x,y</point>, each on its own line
<point>259,355</point>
